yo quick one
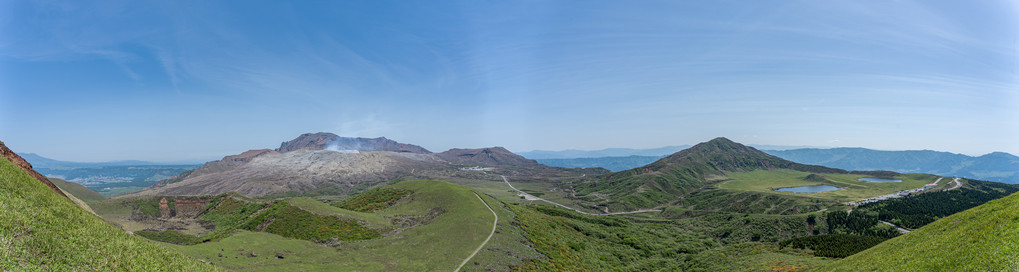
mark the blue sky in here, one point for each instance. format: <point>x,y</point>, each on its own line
<point>197,80</point>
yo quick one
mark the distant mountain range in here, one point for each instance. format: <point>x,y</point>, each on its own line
<point>608,152</point>
<point>611,163</point>
<point>997,166</point>
<point>38,161</point>
<point>683,173</point>
<point>627,152</point>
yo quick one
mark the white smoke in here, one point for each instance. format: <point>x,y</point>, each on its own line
<point>335,146</point>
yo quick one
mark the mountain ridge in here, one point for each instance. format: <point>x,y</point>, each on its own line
<point>326,163</point>
<point>995,166</point>
<point>40,161</point>
<point>330,141</point>
<point>607,152</point>
<point>626,152</point>
<point>488,156</point>
<point>683,172</point>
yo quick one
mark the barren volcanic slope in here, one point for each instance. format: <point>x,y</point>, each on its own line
<point>323,163</point>
<point>491,156</point>
<point>303,165</point>
<point>325,140</point>
<point>686,171</point>
<point>504,162</point>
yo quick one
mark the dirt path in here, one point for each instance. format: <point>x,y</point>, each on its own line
<point>531,197</point>
<point>494,224</point>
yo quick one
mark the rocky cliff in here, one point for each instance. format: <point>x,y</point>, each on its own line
<point>182,207</point>
<point>325,140</point>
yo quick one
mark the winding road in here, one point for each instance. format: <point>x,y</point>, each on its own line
<point>494,224</point>
<point>900,229</point>
<point>957,184</point>
<point>529,196</point>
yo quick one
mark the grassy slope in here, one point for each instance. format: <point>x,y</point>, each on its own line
<point>573,242</point>
<point>507,249</point>
<point>370,219</point>
<point>40,230</point>
<point>985,238</point>
<point>768,180</point>
<point>682,173</point>
<point>64,187</point>
<point>79,191</point>
<point>439,245</point>
<point>117,213</point>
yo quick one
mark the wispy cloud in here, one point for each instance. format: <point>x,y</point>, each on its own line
<point>593,74</point>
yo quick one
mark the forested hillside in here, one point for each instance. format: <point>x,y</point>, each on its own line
<point>978,239</point>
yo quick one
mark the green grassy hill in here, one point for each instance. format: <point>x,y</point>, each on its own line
<point>766,181</point>
<point>78,190</point>
<point>42,231</point>
<point>435,227</point>
<point>575,242</point>
<point>985,238</point>
<point>682,173</point>
<point>198,219</point>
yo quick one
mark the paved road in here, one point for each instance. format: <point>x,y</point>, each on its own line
<point>901,230</point>
<point>529,196</point>
<point>494,224</point>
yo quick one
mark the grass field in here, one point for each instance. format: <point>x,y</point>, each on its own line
<point>494,186</point>
<point>767,181</point>
<point>441,244</point>
<point>78,190</point>
<point>985,238</point>
<point>43,231</point>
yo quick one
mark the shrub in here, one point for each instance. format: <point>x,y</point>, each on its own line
<point>373,200</point>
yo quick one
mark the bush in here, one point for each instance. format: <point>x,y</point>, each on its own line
<point>373,200</point>
<point>293,222</point>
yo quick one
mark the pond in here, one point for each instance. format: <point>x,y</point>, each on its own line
<point>879,180</point>
<point>809,189</point>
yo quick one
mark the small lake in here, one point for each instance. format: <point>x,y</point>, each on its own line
<point>879,180</point>
<point>809,189</point>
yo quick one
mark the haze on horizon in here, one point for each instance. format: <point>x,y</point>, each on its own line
<point>197,80</point>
